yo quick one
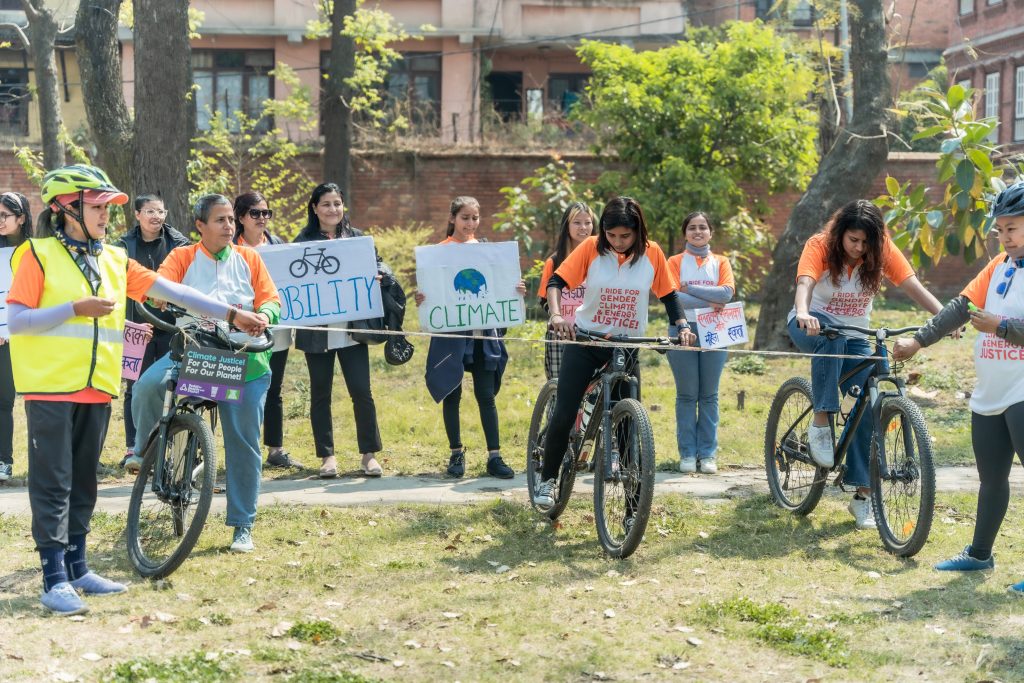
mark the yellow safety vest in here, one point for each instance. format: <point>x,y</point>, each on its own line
<point>80,352</point>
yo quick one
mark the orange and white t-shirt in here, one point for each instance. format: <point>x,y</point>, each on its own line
<point>998,364</point>
<point>849,303</point>
<point>451,240</point>
<point>713,270</point>
<point>571,299</point>
<point>617,291</point>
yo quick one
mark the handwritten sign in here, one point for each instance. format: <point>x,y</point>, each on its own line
<point>212,373</point>
<point>136,337</point>
<point>469,286</point>
<point>717,329</point>
<point>328,281</point>
<point>5,286</point>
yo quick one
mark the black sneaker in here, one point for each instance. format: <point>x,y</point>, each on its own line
<point>496,467</point>
<point>281,459</point>
<point>457,465</point>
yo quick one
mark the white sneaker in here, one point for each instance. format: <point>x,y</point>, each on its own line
<point>707,466</point>
<point>862,513</point>
<point>687,465</point>
<point>820,444</point>
<point>545,495</point>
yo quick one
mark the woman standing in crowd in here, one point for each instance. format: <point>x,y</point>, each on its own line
<point>705,279</point>
<point>252,218</point>
<point>327,219</point>
<point>577,224</point>
<point>996,309</point>
<point>149,243</point>
<point>620,257</point>
<point>66,315</point>
<point>15,228</point>
<point>479,352</point>
<point>839,274</point>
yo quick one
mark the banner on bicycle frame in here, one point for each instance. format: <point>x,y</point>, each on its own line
<point>216,374</point>
<point>5,285</point>
<point>469,286</point>
<point>327,281</point>
<point>719,328</point>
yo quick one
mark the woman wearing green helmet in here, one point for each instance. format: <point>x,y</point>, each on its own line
<point>66,311</point>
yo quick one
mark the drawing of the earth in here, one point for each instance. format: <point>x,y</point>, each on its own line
<point>470,281</point>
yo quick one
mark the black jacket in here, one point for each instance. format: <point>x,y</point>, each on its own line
<point>170,239</point>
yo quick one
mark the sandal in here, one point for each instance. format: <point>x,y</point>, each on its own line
<point>371,468</point>
<point>329,468</point>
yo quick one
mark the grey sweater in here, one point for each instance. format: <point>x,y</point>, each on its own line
<point>954,316</point>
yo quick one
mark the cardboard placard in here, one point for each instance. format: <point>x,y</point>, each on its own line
<point>136,338</point>
<point>719,328</point>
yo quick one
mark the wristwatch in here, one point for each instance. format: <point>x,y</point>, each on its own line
<point>1003,328</point>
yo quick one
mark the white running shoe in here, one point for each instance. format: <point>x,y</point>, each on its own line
<point>862,513</point>
<point>687,465</point>
<point>820,444</point>
<point>545,495</point>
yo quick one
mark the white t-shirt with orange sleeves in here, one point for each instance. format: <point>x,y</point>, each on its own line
<point>849,303</point>
<point>618,290</point>
<point>998,364</point>
<point>713,270</point>
<point>571,299</point>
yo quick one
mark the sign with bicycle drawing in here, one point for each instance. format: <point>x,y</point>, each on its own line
<point>328,281</point>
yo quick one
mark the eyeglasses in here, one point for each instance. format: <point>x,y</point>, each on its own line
<point>5,216</point>
<point>154,212</point>
<point>261,213</point>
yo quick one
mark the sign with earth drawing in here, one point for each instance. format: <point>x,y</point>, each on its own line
<point>326,281</point>
<point>469,286</point>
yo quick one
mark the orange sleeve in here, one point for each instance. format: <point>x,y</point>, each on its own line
<point>813,259</point>
<point>977,289</point>
<point>574,268</point>
<point>262,284</point>
<point>27,284</point>
<point>895,265</point>
<point>675,262</point>
<point>140,279</point>
<point>665,281</point>
<point>545,275</point>
<point>177,262</point>
<point>725,276</point>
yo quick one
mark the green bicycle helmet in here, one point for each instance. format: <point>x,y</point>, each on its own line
<point>80,179</point>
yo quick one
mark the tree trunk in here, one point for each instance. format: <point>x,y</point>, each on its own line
<point>163,134</point>
<point>43,31</point>
<point>335,114</point>
<point>99,58</point>
<point>847,171</point>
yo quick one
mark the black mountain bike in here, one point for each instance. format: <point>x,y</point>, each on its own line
<point>901,467</point>
<point>623,464</point>
<point>172,492</point>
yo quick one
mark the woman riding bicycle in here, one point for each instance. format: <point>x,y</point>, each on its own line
<point>839,274</point>
<point>620,266</point>
<point>66,316</point>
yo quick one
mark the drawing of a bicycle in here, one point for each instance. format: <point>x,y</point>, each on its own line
<point>316,259</point>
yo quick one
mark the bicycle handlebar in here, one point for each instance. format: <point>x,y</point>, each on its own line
<point>834,330</point>
<point>623,339</point>
<point>250,344</point>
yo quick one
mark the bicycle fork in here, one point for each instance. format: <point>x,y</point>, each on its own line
<point>163,426</point>
<point>612,469</point>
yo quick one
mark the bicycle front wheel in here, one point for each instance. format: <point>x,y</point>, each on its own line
<point>902,477</point>
<point>624,486</point>
<point>535,442</point>
<point>166,516</point>
<point>795,482</point>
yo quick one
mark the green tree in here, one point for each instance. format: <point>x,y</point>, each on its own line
<point>695,121</point>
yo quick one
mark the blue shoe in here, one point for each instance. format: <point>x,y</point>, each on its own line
<point>94,584</point>
<point>242,541</point>
<point>63,600</point>
<point>963,562</point>
<point>1017,589</point>
<point>6,470</point>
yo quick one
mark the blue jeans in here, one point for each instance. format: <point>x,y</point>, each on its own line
<point>697,375</point>
<point>240,422</point>
<point>825,387</point>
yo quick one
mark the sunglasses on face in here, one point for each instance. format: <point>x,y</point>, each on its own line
<point>261,213</point>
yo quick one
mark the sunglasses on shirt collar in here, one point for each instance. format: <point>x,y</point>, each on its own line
<point>1003,287</point>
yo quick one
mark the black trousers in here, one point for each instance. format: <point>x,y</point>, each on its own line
<point>64,444</point>
<point>995,438</point>
<point>157,347</point>
<point>484,389</point>
<point>355,367</point>
<point>273,411</point>
<point>6,406</point>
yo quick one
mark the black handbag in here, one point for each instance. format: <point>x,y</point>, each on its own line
<point>361,331</point>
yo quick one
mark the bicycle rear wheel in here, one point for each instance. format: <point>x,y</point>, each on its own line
<point>623,494</point>
<point>795,482</point>
<point>903,492</point>
<point>164,525</point>
<point>542,412</point>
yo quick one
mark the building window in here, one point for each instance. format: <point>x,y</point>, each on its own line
<point>232,81</point>
<point>992,100</point>
<point>1018,108</point>
<point>994,2</point>
<point>14,100</point>
<point>565,90</point>
<point>966,7</point>
<point>799,14</point>
<point>413,87</point>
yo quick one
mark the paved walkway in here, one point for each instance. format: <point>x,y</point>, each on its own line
<point>434,490</point>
